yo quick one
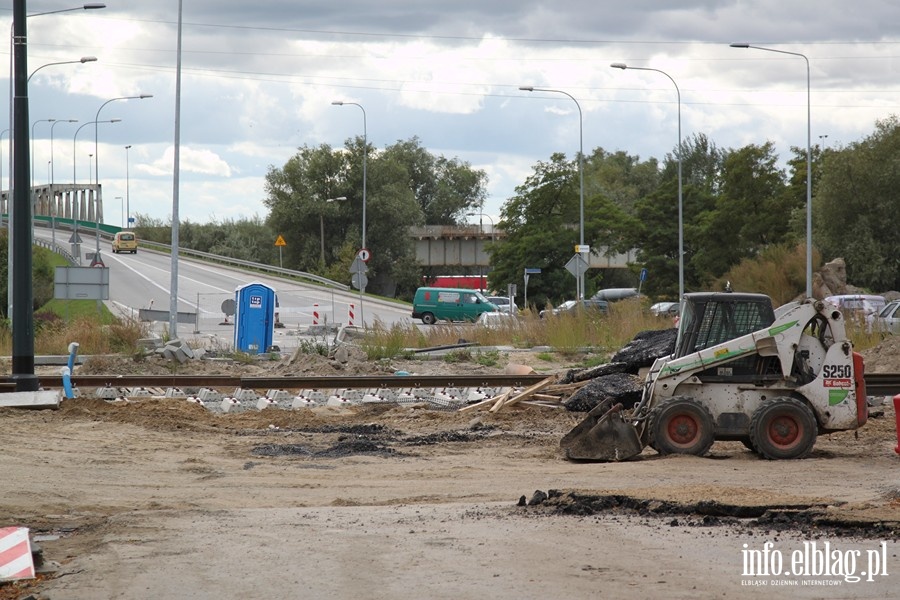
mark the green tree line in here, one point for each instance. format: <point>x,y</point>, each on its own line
<point>739,205</point>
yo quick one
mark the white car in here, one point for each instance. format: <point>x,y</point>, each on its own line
<point>664,309</point>
<point>503,304</point>
<point>495,320</point>
<point>886,321</point>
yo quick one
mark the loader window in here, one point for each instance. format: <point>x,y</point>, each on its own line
<point>709,323</point>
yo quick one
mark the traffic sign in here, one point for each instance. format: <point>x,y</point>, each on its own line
<point>576,265</point>
<point>643,274</point>
<point>364,255</point>
<point>532,271</point>
<point>582,248</point>
<point>358,266</point>
<point>359,280</point>
<point>75,239</point>
<point>280,241</point>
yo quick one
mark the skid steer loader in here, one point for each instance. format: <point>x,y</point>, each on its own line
<point>772,379</point>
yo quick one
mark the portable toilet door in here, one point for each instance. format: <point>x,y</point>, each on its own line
<point>254,318</point>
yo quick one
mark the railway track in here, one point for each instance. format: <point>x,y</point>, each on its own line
<point>877,384</point>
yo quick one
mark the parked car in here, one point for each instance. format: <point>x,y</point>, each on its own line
<point>503,304</point>
<point>888,320</point>
<point>591,304</point>
<point>613,294</point>
<point>858,305</point>
<point>496,320</point>
<point>665,309</point>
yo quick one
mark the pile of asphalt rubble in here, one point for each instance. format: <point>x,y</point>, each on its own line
<point>618,379</point>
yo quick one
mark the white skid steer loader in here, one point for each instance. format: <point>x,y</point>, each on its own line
<point>742,371</point>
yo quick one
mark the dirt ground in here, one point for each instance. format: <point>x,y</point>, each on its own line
<point>162,498</point>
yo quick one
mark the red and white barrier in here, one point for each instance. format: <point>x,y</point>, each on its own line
<point>315,314</point>
<point>15,554</point>
<point>351,314</point>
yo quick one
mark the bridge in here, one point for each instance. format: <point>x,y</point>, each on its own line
<point>63,200</point>
<point>435,245</point>
<point>464,245</point>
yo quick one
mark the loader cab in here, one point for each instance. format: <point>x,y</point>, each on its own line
<point>708,319</point>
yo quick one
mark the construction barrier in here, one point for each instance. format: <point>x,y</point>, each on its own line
<point>315,314</point>
<point>351,314</point>
<point>897,419</point>
<point>15,554</point>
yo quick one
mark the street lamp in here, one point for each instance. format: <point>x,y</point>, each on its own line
<point>481,216</point>
<point>122,209</point>
<point>127,193</point>
<point>21,237</point>
<point>809,293</point>
<point>97,155</point>
<point>53,202</point>
<point>530,88</point>
<point>365,153</point>
<point>322,226</point>
<point>83,59</point>
<point>623,66</point>
<point>75,202</point>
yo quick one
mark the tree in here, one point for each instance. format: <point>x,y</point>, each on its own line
<point>751,212</point>
<point>856,207</point>
<point>405,185</point>
<point>542,224</point>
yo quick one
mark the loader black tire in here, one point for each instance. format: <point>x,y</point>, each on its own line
<point>783,428</point>
<point>681,426</point>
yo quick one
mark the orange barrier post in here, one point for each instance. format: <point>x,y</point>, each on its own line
<point>897,418</point>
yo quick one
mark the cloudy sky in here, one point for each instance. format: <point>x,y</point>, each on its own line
<point>259,78</point>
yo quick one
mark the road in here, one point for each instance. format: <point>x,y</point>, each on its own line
<point>142,281</point>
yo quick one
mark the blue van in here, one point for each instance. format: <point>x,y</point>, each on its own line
<point>433,304</point>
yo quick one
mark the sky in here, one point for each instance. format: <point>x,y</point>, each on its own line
<point>258,80</point>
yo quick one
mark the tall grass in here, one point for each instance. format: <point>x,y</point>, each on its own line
<point>568,334</point>
<point>94,334</point>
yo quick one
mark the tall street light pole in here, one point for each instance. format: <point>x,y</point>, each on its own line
<point>580,172</point>
<point>127,191</point>
<point>623,66</point>
<point>97,157</point>
<point>22,295</point>
<point>481,214</point>
<point>31,182</point>
<point>75,201</point>
<point>365,153</point>
<point>809,291</point>
<point>53,202</point>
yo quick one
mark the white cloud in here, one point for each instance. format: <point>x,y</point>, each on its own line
<point>204,162</point>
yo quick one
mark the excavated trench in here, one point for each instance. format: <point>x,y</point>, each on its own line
<point>811,520</point>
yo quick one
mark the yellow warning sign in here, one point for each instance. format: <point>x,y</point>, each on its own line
<point>280,241</point>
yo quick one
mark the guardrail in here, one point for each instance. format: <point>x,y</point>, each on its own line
<point>248,264</point>
<point>107,231</point>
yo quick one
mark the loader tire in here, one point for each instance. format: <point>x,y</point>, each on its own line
<point>681,426</point>
<point>783,428</point>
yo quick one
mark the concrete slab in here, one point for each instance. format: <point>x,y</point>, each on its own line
<point>39,399</point>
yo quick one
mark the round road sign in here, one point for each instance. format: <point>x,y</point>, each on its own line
<point>364,255</point>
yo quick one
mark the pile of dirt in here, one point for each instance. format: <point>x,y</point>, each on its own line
<point>885,357</point>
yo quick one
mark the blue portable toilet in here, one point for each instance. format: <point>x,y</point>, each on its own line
<point>254,317</point>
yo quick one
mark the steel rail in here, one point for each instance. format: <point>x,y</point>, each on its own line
<point>292,382</point>
<point>877,384</point>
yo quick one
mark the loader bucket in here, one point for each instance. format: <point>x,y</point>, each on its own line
<point>603,435</point>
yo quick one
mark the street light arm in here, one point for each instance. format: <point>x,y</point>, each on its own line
<point>530,88</point>
<point>83,59</point>
<point>365,156</point>
<point>809,291</point>
<point>623,66</point>
<point>96,132</point>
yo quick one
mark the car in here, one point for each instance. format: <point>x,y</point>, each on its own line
<point>613,294</point>
<point>571,306</point>
<point>886,321</point>
<point>432,304</point>
<point>124,241</point>
<point>496,320</point>
<point>503,304</point>
<point>665,309</point>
